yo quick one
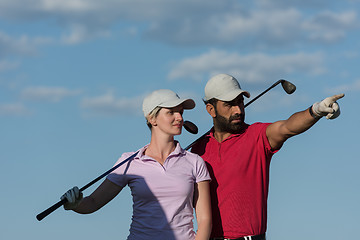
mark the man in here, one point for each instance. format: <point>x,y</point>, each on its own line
<point>238,156</point>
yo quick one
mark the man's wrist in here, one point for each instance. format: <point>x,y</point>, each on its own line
<point>315,116</point>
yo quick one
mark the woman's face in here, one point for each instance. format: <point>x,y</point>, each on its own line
<point>170,120</point>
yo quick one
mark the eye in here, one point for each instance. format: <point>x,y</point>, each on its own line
<point>227,104</point>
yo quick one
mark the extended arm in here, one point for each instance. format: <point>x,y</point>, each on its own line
<point>202,204</point>
<point>100,197</point>
<point>278,132</point>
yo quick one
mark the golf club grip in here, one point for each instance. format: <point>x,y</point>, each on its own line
<point>42,215</point>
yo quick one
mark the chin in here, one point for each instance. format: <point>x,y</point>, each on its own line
<point>235,128</point>
<point>177,132</point>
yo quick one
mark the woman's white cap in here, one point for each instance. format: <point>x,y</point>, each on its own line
<point>223,87</point>
<point>165,98</point>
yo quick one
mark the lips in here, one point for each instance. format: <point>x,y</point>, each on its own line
<point>235,118</point>
<point>178,125</point>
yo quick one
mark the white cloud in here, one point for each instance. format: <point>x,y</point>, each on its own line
<point>249,68</point>
<point>313,4</point>
<point>49,94</point>
<point>257,28</point>
<point>79,33</point>
<point>108,104</point>
<point>230,26</point>
<point>276,99</point>
<point>7,65</point>
<point>329,26</point>
<point>22,45</point>
<point>13,109</point>
<point>78,20</point>
<point>345,88</point>
<point>189,22</point>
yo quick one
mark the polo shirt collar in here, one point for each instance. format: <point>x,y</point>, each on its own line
<point>211,133</point>
<point>177,152</point>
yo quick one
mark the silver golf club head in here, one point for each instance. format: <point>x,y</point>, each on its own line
<point>288,86</point>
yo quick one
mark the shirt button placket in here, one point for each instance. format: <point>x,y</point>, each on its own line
<point>219,152</point>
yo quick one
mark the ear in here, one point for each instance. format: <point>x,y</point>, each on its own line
<point>152,121</point>
<point>211,110</point>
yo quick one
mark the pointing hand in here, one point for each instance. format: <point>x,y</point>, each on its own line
<point>328,107</point>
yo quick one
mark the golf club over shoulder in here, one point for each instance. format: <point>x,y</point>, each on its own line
<point>288,87</point>
<point>189,126</point>
<point>45,213</point>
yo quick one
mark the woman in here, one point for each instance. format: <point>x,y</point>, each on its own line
<point>166,181</point>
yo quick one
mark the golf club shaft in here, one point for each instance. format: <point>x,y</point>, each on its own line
<point>189,126</point>
<point>258,96</point>
<point>247,104</point>
<point>45,213</point>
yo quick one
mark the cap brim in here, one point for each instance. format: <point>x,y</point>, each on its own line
<point>229,96</point>
<point>186,103</point>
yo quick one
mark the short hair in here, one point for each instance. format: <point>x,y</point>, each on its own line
<point>211,101</point>
<point>153,114</point>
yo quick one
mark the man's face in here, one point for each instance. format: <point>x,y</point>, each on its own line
<point>230,116</point>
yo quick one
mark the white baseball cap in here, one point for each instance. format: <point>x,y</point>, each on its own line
<point>165,98</point>
<point>223,87</point>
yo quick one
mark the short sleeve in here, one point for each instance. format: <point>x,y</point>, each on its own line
<point>265,141</point>
<point>118,176</point>
<point>201,171</point>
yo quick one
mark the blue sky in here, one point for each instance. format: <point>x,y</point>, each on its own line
<point>73,74</point>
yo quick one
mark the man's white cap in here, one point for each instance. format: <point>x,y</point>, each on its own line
<point>223,87</point>
<point>165,98</point>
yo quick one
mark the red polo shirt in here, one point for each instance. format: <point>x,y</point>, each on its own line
<point>239,169</point>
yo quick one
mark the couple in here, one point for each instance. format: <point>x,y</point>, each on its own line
<point>229,192</point>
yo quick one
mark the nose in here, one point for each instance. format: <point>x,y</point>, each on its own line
<point>178,117</point>
<point>237,109</point>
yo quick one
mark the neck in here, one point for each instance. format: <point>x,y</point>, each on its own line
<point>220,136</point>
<point>160,147</point>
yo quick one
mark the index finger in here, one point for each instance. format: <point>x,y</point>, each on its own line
<point>337,97</point>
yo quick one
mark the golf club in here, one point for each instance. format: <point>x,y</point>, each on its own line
<point>288,87</point>
<point>189,126</point>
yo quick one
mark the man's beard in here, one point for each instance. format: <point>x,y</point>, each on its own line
<point>226,125</point>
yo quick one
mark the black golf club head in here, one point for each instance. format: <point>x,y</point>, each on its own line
<point>288,86</point>
<point>190,127</point>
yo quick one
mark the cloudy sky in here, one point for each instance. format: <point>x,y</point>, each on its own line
<point>73,74</point>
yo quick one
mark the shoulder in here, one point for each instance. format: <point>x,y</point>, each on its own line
<point>258,126</point>
<point>203,139</point>
<point>127,154</point>
<point>192,158</point>
<point>252,131</point>
<point>131,155</point>
<point>191,155</point>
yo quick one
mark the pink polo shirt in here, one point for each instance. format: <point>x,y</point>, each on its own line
<point>162,194</point>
